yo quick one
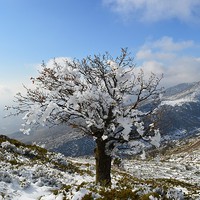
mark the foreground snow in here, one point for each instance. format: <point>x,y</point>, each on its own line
<point>28,173</point>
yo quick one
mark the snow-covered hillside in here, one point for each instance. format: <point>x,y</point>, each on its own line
<point>182,94</point>
<point>180,112</point>
<point>30,172</point>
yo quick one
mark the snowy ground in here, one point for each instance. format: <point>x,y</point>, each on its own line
<point>28,173</point>
<point>183,167</point>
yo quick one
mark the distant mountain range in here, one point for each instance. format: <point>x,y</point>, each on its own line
<point>180,109</point>
<point>179,119</point>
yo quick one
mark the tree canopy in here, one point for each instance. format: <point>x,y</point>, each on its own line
<point>100,95</point>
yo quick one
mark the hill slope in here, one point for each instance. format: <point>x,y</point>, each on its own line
<point>31,172</point>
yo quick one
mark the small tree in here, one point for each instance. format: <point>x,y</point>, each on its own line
<point>101,96</point>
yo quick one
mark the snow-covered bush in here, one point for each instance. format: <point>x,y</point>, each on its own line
<point>5,177</point>
<point>175,194</point>
<point>24,183</point>
<point>7,145</point>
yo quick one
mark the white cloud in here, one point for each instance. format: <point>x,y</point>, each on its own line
<point>5,93</point>
<point>9,91</point>
<point>164,48</point>
<point>155,10</point>
<point>153,66</point>
<point>4,90</point>
<point>170,58</point>
<point>167,44</point>
<point>149,54</point>
<point>184,69</point>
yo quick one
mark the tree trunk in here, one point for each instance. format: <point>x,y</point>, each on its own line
<point>103,164</point>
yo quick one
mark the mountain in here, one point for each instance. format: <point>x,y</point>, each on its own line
<point>179,118</point>
<point>29,172</point>
<point>180,111</point>
<point>178,89</point>
<point>62,139</point>
<point>48,137</point>
<point>182,93</point>
<point>83,146</point>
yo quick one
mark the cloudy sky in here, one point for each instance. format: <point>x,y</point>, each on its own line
<point>163,36</point>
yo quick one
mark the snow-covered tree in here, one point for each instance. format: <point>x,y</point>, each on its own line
<point>101,96</point>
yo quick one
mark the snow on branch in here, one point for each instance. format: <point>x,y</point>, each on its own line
<point>100,95</point>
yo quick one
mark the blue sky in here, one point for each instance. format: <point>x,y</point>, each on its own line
<point>163,36</point>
